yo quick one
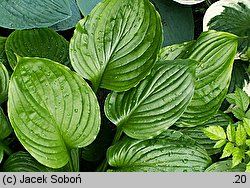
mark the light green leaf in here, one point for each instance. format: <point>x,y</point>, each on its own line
<point>177,21</point>
<point>215,132</point>
<point>116,46</point>
<point>52,110</point>
<point>248,142</point>
<point>176,51</point>
<point>239,98</point>
<point>26,14</point>
<point>215,52</point>
<point>156,103</point>
<point>71,21</point>
<point>198,135</point>
<point>45,43</point>
<point>4,83</point>
<point>231,133</point>
<point>86,6</point>
<point>226,166</point>
<point>240,135</point>
<point>23,162</point>
<point>248,153</point>
<point>238,155</point>
<point>228,150</point>
<point>169,152</point>
<point>1,155</point>
<point>246,123</point>
<point>248,167</point>
<point>220,143</point>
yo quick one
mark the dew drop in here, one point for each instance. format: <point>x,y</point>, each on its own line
<point>76,110</point>
<point>185,161</point>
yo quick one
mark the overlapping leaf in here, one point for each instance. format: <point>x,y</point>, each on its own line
<point>86,6</point>
<point>226,166</point>
<point>116,46</point>
<point>215,52</point>
<point>26,14</point>
<point>4,83</point>
<point>219,119</point>
<point>72,20</point>
<point>156,103</point>
<point>169,152</point>
<point>52,110</point>
<point>44,43</point>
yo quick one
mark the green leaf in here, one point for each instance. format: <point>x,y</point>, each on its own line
<point>248,142</point>
<point>240,135</point>
<point>246,123</point>
<point>238,155</point>
<point>220,143</point>
<point>231,133</point>
<point>1,155</point>
<point>238,23</point>
<point>71,21</point>
<point>26,14</point>
<point>176,51</point>
<point>248,153</point>
<point>156,103</point>
<point>215,52</point>
<point>86,6</point>
<point>238,112</point>
<point>3,57</point>
<point>215,132</point>
<point>169,152</point>
<point>116,46</point>
<point>226,166</point>
<point>177,21</point>
<point>5,127</point>
<point>239,98</point>
<point>228,150</point>
<point>52,110</point>
<point>44,43</point>
<point>4,83</point>
<point>24,162</point>
<point>248,167</point>
<point>198,135</point>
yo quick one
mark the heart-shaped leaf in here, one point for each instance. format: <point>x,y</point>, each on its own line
<point>219,119</point>
<point>52,110</point>
<point>4,83</point>
<point>156,103</point>
<point>86,6</point>
<point>215,52</point>
<point>71,21</point>
<point>26,14</point>
<point>169,152</point>
<point>177,21</point>
<point>45,43</point>
<point>116,46</point>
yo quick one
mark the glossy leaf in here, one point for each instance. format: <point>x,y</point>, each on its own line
<point>225,166</point>
<point>23,162</point>
<point>198,135</point>
<point>52,110</point>
<point>176,51</point>
<point>86,6</point>
<point>5,127</point>
<point>156,103</point>
<point>1,155</point>
<point>169,152</point>
<point>26,14</point>
<point>3,58</point>
<point>215,52</point>
<point>4,83</point>
<point>116,46</point>
<point>71,21</point>
<point>44,43</point>
<point>177,21</point>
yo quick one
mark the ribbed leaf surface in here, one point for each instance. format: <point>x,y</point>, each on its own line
<point>169,152</point>
<point>219,119</point>
<point>116,46</point>
<point>4,83</point>
<point>71,21</point>
<point>215,52</point>
<point>27,14</point>
<point>45,43</point>
<point>156,103</point>
<point>52,110</point>
<point>226,166</point>
<point>5,127</point>
<point>87,5</point>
